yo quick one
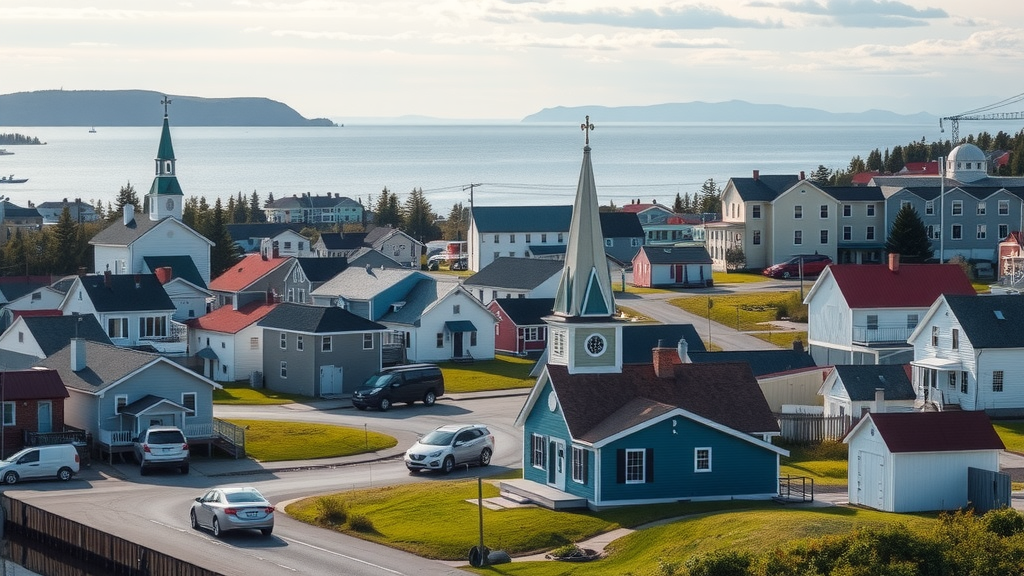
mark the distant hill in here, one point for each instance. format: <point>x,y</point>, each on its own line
<point>731,111</point>
<point>142,108</point>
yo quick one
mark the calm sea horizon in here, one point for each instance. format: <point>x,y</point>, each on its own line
<point>507,163</point>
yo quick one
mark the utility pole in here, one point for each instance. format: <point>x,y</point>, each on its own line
<point>470,187</point>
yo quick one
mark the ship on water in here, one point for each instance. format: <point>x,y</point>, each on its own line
<point>12,180</point>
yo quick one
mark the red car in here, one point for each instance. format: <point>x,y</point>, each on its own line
<point>814,264</point>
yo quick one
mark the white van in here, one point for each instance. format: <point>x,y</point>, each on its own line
<point>59,461</point>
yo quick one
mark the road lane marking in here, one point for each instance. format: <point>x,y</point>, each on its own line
<point>213,540</point>
<point>346,556</point>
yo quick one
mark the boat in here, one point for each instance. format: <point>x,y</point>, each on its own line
<point>4,152</point>
<point>92,130</point>
<point>12,180</point>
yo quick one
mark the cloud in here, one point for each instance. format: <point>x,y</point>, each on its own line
<point>695,17</point>
<point>661,39</point>
<point>860,13</point>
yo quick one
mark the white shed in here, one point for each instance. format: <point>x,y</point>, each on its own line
<point>918,461</point>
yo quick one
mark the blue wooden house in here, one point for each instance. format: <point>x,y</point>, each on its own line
<point>601,429</point>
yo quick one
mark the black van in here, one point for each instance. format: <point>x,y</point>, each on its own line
<point>407,383</point>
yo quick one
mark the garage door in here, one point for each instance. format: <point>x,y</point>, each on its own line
<point>870,480</point>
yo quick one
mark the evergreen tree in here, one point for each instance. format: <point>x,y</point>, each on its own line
<point>821,175</point>
<point>874,163</point>
<point>909,237</point>
<point>677,205</point>
<point>386,212</point>
<point>270,200</point>
<point>456,227</point>
<point>126,195</point>
<point>190,212</point>
<point>14,255</point>
<point>418,217</point>
<point>710,198</point>
<point>241,212</point>
<point>64,244</point>
<point>224,253</point>
<point>256,214</point>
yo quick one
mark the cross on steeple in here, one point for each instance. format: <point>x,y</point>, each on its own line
<point>587,127</point>
<point>167,101</point>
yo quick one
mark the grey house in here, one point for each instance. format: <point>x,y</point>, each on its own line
<point>318,351</point>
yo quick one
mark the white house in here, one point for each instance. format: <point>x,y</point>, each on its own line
<point>969,352</point>
<point>856,389</point>
<point>863,313</point>
<point>515,278</point>
<point>918,461</point>
<point>229,341</point>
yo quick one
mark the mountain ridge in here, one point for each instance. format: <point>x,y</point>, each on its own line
<point>141,108</point>
<point>728,111</point>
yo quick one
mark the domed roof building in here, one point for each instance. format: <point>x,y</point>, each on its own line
<point>966,163</point>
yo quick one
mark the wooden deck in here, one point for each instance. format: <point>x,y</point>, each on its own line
<point>541,494</point>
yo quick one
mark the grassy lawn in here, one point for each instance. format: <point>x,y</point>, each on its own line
<point>272,441</point>
<point>241,393</point>
<point>394,516</point>
<point>737,277</point>
<point>748,312</point>
<point>825,463</point>
<point>502,373</point>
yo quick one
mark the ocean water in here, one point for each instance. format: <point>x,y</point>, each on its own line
<point>506,164</point>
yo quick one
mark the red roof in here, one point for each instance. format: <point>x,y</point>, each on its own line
<point>248,270</point>
<point>937,431</point>
<point>41,312</point>
<point>925,168</point>
<point>635,208</point>
<point>911,286</point>
<point>862,178</point>
<point>32,384</point>
<point>230,321</point>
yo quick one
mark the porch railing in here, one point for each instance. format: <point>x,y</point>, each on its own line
<point>880,334</point>
<point>231,436</point>
<point>69,435</point>
<point>199,430</point>
<point>115,437</point>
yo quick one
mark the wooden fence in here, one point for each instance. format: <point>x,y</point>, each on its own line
<point>814,428</point>
<point>94,548</point>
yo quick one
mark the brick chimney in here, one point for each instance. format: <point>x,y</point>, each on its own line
<point>108,280</point>
<point>164,274</point>
<point>757,174</point>
<point>894,262</point>
<point>665,359</point>
<point>802,176</point>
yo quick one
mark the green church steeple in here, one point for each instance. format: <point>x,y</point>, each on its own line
<point>165,195</point>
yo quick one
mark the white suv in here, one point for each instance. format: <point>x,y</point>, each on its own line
<point>449,446</point>
<point>162,447</point>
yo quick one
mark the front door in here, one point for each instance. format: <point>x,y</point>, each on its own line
<point>457,344</point>
<point>44,412</point>
<point>330,380</point>
<point>556,474</point>
<point>871,480</point>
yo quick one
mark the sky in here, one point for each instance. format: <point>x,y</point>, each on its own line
<point>506,59</point>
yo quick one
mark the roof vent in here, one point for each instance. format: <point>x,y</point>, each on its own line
<point>999,315</point>
<point>396,306</point>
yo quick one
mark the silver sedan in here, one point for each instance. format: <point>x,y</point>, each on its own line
<point>232,508</point>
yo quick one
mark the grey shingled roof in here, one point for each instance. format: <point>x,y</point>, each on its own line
<point>516,273</point>
<point>423,295</point>
<point>55,332</point>
<point>676,254</point>
<point>127,292</point>
<point>762,362</point>
<point>862,380</point>
<point>261,230</point>
<point>117,234</point>
<point>294,317</point>
<point>360,283</point>
<point>16,289</point>
<point>491,219</point>
<point>982,326</point>
<point>181,267</point>
<point>364,257</point>
<point>526,311</point>
<point>339,241</point>
<point>596,406</point>
<point>638,340</point>
<point>105,364</point>
<point>855,193</point>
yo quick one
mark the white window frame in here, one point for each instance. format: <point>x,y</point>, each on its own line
<point>702,459</point>
<point>185,402</point>
<point>368,341</point>
<point>539,449</point>
<point>118,399</point>
<point>327,344</point>
<point>579,471</point>
<point>636,469</point>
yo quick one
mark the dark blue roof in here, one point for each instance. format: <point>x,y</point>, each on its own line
<point>317,319</point>
<point>490,219</point>
<point>861,381</point>
<point>621,225</point>
<point>322,269</point>
<point>990,321</point>
<point>639,340</point>
<point>676,254</point>
<point>181,267</point>
<point>855,193</point>
<point>516,273</point>
<point>126,292</point>
<point>526,311</point>
<point>260,230</point>
<point>348,241</point>
<point>762,362</point>
<point>764,188</point>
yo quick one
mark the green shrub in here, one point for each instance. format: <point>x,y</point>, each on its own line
<point>331,510</point>
<point>360,523</point>
<point>1004,522</point>
<point>720,563</point>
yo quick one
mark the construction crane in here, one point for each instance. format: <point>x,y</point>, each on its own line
<point>979,114</point>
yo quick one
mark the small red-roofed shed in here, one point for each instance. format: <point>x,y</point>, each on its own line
<point>918,461</point>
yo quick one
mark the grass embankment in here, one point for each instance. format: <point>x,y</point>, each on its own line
<point>239,393</point>
<point>502,373</point>
<point>393,516</point>
<point>273,441</point>
<point>751,312</point>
